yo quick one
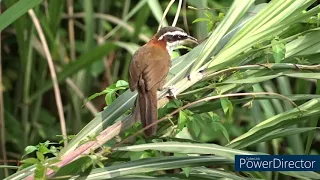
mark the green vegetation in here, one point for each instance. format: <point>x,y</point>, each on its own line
<point>252,86</point>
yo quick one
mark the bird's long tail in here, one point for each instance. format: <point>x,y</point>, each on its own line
<point>148,110</point>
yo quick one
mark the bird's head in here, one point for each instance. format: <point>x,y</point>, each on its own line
<point>173,37</point>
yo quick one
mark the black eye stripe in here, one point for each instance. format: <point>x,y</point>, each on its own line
<point>175,37</point>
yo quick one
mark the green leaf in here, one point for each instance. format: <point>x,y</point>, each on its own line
<point>200,20</point>
<point>253,80</point>
<point>74,167</point>
<point>186,171</point>
<point>202,148</point>
<point>305,45</point>
<point>111,91</point>
<point>153,164</point>
<point>40,156</point>
<point>40,172</point>
<point>279,133</point>
<point>54,168</point>
<point>97,94</point>
<point>227,108</point>
<point>183,120</point>
<point>236,11</point>
<point>44,150</point>
<point>304,75</point>
<point>139,155</point>
<point>15,11</point>
<point>29,149</point>
<point>122,83</point>
<point>110,97</point>
<point>30,161</point>
<point>226,104</point>
<point>194,126</point>
<point>279,50</point>
<point>217,173</point>
<point>279,121</point>
<point>175,104</point>
<point>53,160</point>
<point>209,15</point>
<point>189,148</point>
<point>219,126</point>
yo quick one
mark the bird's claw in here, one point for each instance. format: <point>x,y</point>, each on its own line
<point>172,92</point>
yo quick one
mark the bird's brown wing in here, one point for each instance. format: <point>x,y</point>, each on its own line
<point>157,68</point>
<point>148,70</point>
<point>135,70</point>
<point>151,63</point>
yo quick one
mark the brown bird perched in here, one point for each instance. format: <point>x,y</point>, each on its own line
<point>148,70</point>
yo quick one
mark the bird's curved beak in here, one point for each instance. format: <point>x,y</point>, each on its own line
<point>192,39</point>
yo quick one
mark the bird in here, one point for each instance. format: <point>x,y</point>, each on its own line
<point>148,70</point>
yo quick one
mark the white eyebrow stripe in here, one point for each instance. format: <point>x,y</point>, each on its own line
<point>173,34</point>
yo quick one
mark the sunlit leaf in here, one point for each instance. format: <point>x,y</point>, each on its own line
<point>279,50</point>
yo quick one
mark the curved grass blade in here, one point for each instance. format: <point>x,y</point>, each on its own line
<point>281,120</point>
<point>154,164</point>
<point>15,11</point>
<point>189,148</point>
